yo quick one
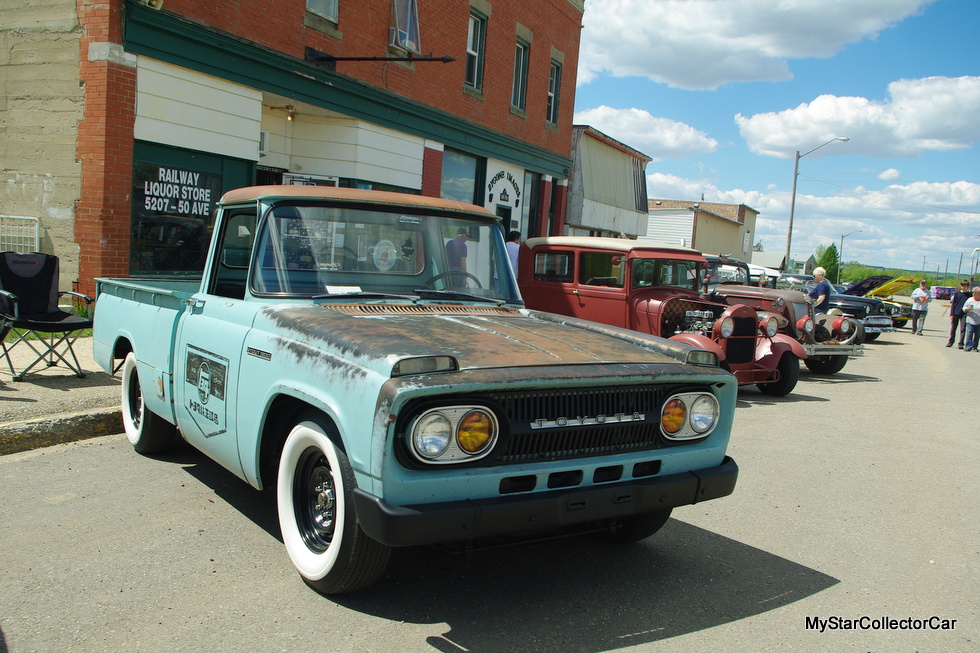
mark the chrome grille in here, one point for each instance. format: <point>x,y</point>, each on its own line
<point>740,347</point>
<point>526,444</point>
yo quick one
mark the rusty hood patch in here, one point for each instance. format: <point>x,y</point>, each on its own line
<point>477,339</point>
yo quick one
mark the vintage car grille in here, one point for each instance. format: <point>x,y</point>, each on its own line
<point>526,444</point>
<point>740,348</point>
<point>898,311</point>
<point>859,312</point>
<point>877,322</point>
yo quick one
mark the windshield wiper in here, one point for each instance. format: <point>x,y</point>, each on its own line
<point>428,293</point>
<point>366,294</point>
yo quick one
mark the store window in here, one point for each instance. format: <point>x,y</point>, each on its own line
<point>475,50</point>
<point>460,172</point>
<point>529,209</point>
<point>171,219</point>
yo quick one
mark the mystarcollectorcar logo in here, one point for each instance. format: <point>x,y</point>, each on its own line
<point>824,624</point>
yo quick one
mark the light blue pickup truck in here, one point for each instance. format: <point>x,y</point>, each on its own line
<point>368,355</point>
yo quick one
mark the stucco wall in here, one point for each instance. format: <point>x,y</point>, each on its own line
<point>41,103</point>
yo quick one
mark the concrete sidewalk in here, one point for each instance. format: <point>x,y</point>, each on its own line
<point>51,405</point>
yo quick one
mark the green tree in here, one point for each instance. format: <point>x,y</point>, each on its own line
<point>827,258</point>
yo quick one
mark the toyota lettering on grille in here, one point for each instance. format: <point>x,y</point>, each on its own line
<point>563,422</point>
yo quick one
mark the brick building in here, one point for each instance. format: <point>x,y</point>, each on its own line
<point>124,122</point>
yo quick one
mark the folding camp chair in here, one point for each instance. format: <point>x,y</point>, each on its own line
<point>29,304</point>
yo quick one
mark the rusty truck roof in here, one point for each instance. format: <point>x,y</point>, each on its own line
<point>253,193</point>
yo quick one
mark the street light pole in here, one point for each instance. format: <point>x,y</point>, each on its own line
<point>792,198</point>
<point>840,253</point>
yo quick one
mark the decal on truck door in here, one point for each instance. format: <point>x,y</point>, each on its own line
<point>206,374</point>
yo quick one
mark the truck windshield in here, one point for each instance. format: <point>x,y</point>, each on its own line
<point>730,274</point>
<point>648,273</point>
<point>312,250</point>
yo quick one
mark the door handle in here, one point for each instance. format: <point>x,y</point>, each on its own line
<point>194,304</point>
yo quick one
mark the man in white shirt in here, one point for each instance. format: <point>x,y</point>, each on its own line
<point>920,304</point>
<point>513,248</point>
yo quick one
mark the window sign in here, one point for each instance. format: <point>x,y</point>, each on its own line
<point>171,218</point>
<point>503,189</point>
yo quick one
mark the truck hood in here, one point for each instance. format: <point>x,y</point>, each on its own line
<point>754,292</point>
<point>379,335</point>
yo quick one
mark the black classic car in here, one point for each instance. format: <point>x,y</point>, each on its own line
<point>871,311</point>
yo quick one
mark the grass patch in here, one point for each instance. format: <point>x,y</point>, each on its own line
<point>11,337</point>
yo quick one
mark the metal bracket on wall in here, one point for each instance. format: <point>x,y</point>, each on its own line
<point>330,62</point>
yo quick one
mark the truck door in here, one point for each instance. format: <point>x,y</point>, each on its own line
<point>600,292</point>
<point>210,342</point>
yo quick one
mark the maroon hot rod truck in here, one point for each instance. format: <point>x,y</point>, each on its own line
<point>827,339</point>
<point>656,290</point>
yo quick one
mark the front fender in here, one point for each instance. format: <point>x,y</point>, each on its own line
<point>701,342</point>
<point>772,350</point>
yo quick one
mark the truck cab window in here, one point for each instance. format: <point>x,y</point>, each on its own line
<point>233,255</point>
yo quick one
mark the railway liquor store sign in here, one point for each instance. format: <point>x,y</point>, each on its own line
<point>174,191</point>
<point>171,217</point>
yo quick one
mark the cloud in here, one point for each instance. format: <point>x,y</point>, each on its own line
<point>940,216</point>
<point>702,44</point>
<point>934,113</point>
<point>658,138</point>
<point>890,175</point>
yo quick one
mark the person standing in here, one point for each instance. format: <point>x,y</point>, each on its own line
<point>456,250</point>
<point>821,291</point>
<point>971,311</point>
<point>956,316</point>
<point>513,249</point>
<point>920,305</point>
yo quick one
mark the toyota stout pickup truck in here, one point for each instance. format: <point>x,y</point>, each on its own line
<point>656,290</point>
<point>368,356</point>
<point>827,339</point>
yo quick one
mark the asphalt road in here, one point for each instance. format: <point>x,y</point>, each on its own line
<point>857,499</point>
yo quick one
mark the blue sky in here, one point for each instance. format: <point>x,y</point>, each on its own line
<point>722,93</point>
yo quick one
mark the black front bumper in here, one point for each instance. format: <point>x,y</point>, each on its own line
<point>467,521</point>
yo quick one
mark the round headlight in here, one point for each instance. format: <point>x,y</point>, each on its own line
<point>843,325</point>
<point>704,412</point>
<point>727,327</point>
<point>805,324</point>
<point>770,326</point>
<point>432,435</point>
<point>475,431</point>
<point>673,416</point>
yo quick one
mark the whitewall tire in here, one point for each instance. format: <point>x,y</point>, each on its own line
<point>317,516</point>
<point>147,432</point>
